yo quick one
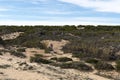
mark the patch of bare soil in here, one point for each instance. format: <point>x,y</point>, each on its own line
<point>11,35</point>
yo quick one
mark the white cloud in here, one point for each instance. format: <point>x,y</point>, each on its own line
<point>3,9</point>
<point>37,1</point>
<point>57,12</point>
<point>98,5</point>
<point>3,15</point>
<point>53,23</point>
<point>71,21</point>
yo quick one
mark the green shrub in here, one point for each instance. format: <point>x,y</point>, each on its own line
<point>54,58</point>
<point>1,41</point>
<point>32,43</point>
<point>92,60</point>
<point>118,65</point>
<point>48,50</point>
<point>62,59</point>
<point>4,66</point>
<point>1,53</point>
<point>18,54</point>
<point>38,55</point>
<point>75,65</point>
<point>104,66</point>
<point>45,47</point>
<point>78,55</point>
<point>21,50</point>
<point>38,59</point>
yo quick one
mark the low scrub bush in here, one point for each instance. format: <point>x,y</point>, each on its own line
<point>118,65</point>
<point>54,58</point>
<point>62,59</point>
<point>4,66</point>
<point>48,50</point>
<point>32,43</point>
<point>0,53</point>
<point>38,55</point>
<point>3,51</point>
<point>38,59</point>
<point>21,50</point>
<point>75,65</point>
<point>78,55</point>
<point>82,55</point>
<point>92,60</point>
<point>103,66</point>
<point>1,41</point>
<point>18,54</point>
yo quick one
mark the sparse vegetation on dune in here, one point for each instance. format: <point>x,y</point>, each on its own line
<point>104,66</point>
<point>18,54</point>
<point>74,65</point>
<point>1,41</point>
<point>62,59</point>
<point>38,59</point>
<point>94,47</point>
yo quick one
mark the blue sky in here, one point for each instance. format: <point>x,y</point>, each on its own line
<point>60,12</point>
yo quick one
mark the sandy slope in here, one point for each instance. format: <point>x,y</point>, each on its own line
<point>12,73</point>
<point>11,35</point>
<point>41,71</point>
<point>57,45</point>
<point>21,75</point>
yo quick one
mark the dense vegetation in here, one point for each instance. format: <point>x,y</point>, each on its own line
<point>96,45</point>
